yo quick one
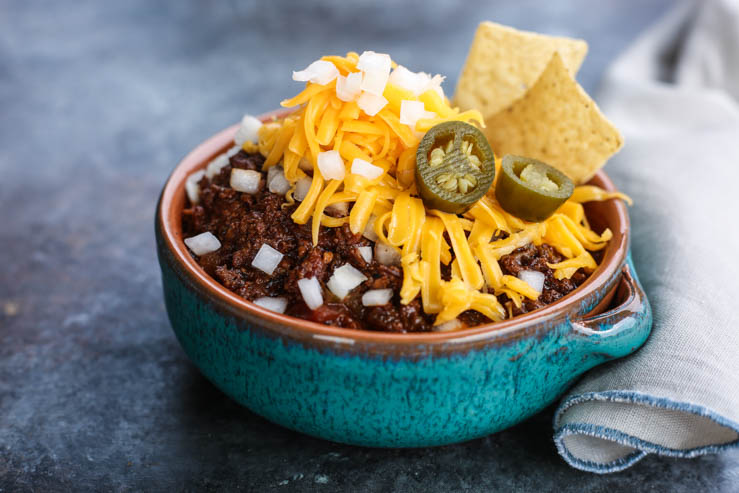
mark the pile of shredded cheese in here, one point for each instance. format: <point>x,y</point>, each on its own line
<point>352,139</point>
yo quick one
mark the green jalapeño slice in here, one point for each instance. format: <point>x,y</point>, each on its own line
<point>530,189</point>
<point>454,167</point>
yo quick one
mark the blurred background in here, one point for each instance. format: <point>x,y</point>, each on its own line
<point>98,103</point>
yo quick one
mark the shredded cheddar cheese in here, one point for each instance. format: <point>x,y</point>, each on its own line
<point>424,239</point>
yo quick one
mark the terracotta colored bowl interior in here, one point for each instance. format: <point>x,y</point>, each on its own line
<point>610,213</point>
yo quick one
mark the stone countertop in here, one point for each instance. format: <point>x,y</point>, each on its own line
<point>98,102</point>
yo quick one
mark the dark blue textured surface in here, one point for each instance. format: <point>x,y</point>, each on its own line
<point>98,101</point>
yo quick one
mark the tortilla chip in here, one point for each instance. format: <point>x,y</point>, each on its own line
<point>503,63</point>
<point>556,122</point>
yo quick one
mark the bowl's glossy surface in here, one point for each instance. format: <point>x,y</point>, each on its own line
<point>386,389</point>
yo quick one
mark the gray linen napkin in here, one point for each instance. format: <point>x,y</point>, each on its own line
<point>675,96</point>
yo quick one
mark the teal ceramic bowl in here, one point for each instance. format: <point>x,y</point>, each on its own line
<point>396,390</point>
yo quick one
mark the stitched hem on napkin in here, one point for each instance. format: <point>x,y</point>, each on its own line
<point>641,447</point>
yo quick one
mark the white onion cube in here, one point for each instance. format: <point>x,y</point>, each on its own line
<point>412,111</point>
<point>377,297</point>
<point>320,72</point>
<point>368,170</point>
<point>370,103</point>
<point>366,253</point>
<point>453,324</point>
<point>369,229</point>
<point>310,289</point>
<point>278,304</point>
<point>214,167</point>
<point>533,278</point>
<point>331,165</point>
<point>192,188</point>
<point>344,279</point>
<point>410,81</point>
<point>386,255</point>
<point>339,209</point>
<point>203,243</point>
<point>277,183</point>
<point>245,180</point>
<point>248,131</point>
<point>301,188</point>
<point>267,259</point>
<point>371,61</point>
<point>348,88</point>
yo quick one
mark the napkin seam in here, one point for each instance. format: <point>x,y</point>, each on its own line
<point>642,447</point>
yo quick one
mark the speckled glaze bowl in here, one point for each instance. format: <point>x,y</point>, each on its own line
<point>396,390</point>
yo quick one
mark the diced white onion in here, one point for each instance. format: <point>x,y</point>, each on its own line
<point>273,171</point>
<point>366,253</point>
<point>245,180</point>
<point>203,243</point>
<point>453,324</point>
<point>233,151</point>
<point>533,278</point>
<point>344,279</point>
<point>369,60</point>
<point>435,84</point>
<point>248,131</point>
<point>412,111</point>
<point>215,166</point>
<point>386,255</point>
<point>192,188</point>
<point>339,209</point>
<point>370,103</point>
<point>368,170</point>
<point>331,165</point>
<point>277,183</point>
<point>348,88</point>
<point>267,259</point>
<point>369,229</point>
<point>310,289</point>
<point>320,72</point>
<point>278,304</point>
<point>301,188</point>
<point>374,82</point>
<point>405,79</point>
<point>377,297</point>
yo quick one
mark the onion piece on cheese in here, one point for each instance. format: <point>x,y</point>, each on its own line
<point>368,170</point>
<point>370,103</point>
<point>331,165</point>
<point>276,181</point>
<point>349,88</point>
<point>320,72</point>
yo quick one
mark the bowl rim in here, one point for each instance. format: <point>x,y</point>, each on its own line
<point>168,218</point>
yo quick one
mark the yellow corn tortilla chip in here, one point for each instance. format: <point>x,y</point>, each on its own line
<point>503,63</point>
<point>556,122</point>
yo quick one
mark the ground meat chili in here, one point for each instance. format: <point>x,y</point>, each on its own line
<point>243,222</point>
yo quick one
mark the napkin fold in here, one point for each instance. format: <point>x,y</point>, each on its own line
<point>675,96</point>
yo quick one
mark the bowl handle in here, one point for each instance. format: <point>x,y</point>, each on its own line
<point>622,328</point>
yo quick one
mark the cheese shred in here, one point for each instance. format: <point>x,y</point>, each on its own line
<point>425,239</point>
